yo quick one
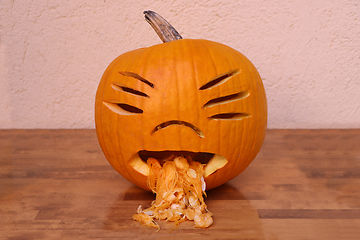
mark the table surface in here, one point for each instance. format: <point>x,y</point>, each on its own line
<point>57,184</point>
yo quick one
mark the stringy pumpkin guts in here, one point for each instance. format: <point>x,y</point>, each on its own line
<point>179,187</point>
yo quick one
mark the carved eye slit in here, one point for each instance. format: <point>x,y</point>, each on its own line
<point>230,116</point>
<point>220,79</point>
<point>119,87</point>
<point>123,108</point>
<point>227,99</point>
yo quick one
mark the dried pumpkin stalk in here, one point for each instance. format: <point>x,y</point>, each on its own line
<point>179,187</point>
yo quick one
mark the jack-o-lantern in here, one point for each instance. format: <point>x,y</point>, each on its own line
<point>182,97</point>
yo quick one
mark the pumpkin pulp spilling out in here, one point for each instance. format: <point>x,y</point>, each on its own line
<point>179,187</point>
<point>179,118</point>
<point>177,179</point>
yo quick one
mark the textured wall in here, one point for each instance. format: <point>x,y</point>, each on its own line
<point>53,53</point>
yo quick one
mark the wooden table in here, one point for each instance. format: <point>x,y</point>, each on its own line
<point>56,184</point>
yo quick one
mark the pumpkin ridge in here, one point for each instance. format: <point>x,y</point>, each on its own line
<point>195,82</point>
<point>211,59</point>
<point>248,68</point>
<point>256,113</point>
<point>232,62</point>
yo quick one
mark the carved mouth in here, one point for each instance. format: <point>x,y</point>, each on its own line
<point>212,162</point>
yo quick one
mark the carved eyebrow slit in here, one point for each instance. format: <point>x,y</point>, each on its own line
<point>227,99</point>
<point>220,79</point>
<point>138,77</point>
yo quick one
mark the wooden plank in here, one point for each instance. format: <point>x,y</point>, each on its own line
<point>309,213</point>
<point>57,184</point>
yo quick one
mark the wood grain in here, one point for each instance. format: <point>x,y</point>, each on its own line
<point>56,184</point>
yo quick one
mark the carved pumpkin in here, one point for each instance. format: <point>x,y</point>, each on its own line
<point>182,97</point>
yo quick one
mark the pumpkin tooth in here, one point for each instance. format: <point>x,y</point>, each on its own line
<point>214,164</point>
<point>139,165</point>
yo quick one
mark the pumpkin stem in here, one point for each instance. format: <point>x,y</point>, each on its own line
<point>163,28</point>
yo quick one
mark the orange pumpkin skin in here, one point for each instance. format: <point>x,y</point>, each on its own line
<point>179,70</point>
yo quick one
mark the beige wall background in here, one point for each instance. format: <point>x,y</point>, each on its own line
<point>53,54</point>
